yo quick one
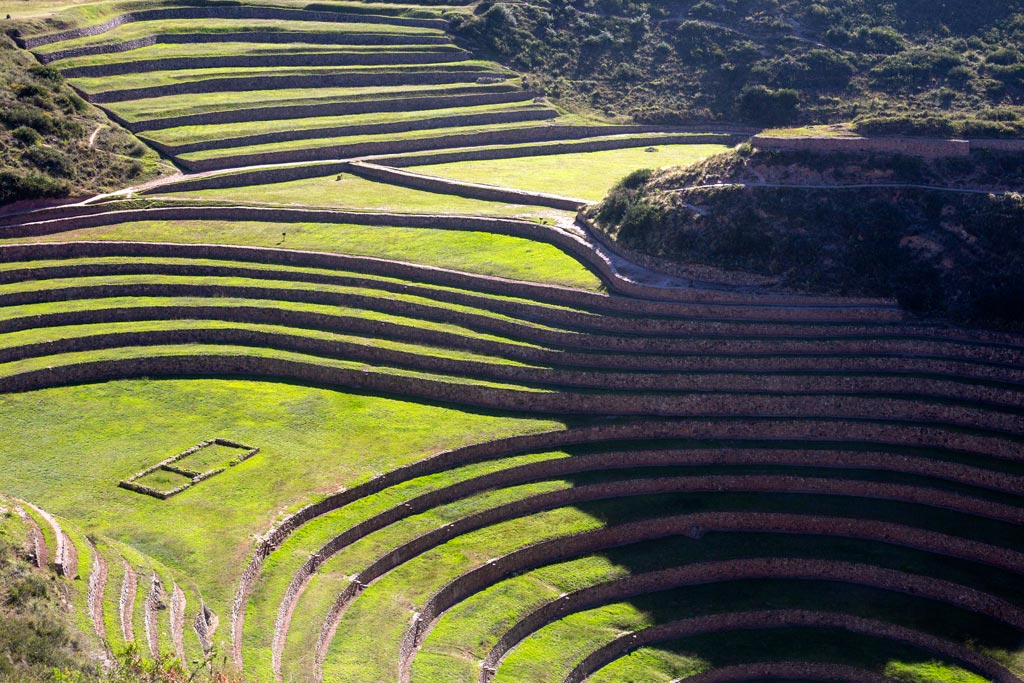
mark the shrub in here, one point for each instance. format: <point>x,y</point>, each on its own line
<point>640,222</point>
<point>759,104</point>
<point>50,160</point>
<point>1004,56</point>
<point>906,124</point>
<point>21,115</point>
<point>26,135</point>
<point>636,179</point>
<point>914,68</point>
<point>16,187</point>
<point>27,90</point>
<point>47,73</point>
<point>622,197</point>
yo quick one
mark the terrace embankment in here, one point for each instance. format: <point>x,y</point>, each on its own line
<point>936,234</point>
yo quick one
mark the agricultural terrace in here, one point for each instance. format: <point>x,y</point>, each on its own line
<point>409,422</point>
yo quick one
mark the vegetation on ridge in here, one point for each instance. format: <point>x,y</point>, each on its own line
<point>930,68</point>
<point>779,214</point>
<point>47,148</point>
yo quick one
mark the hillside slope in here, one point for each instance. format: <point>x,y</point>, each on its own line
<point>854,224</point>
<point>53,143</point>
<point>913,66</point>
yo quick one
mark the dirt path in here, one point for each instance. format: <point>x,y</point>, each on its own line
<point>92,138</point>
<point>129,585</point>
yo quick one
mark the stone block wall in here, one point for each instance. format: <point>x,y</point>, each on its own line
<point>225,12</point>
<point>266,60</point>
<point>457,97</point>
<point>516,115</point>
<point>927,148</point>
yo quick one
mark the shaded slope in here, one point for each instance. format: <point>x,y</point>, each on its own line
<point>856,224</point>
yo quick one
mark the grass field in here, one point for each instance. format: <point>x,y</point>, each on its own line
<point>177,76</point>
<point>175,105</point>
<point>477,252</point>
<point>342,142</point>
<point>312,441</point>
<point>588,175</point>
<point>236,49</point>
<point>191,134</point>
<point>145,28</point>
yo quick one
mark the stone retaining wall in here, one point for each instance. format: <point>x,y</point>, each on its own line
<point>608,342</point>
<point>679,318</point>
<point>204,623</point>
<point>811,671</point>
<point>655,264</point>
<point>483,118</point>
<point>177,619</point>
<point>568,466</point>
<point>126,602</point>
<point>419,181</point>
<point>954,595</point>
<point>36,548</point>
<point>94,594</point>
<point>773,619</point>
<point>574,496</point>
<point>628,460</point>
<point>812,432</point>
<point>336,79</point>
<point>65,555</point>
<point>989,422</point>
<point>226,12</point>
<point>926,148</point>
<point>695,526</point>
<point>154,597</point>
<point>609,378</point>
<point>512,136</point>
<point>659,303</point>
<point>997,145</point>
<point>567,147</point>
<point>284,37</point>
<point>290,59</point>
<point>458,96</point>
<point>675,337</point>
<point>896,366</point>
<point>523,229</point>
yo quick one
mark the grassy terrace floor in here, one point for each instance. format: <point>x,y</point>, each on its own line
<point>588,175</point>
<point>172,77</point>
<point>177,105</point>
<point>192,134</point>
<point>311,441</point>
<point>146,28</point>
<point>77,13</point>
<point>343,141</point>
<point>476,252</point>
<point>235,49</point>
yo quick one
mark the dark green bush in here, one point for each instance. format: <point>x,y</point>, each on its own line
<point>640,221</point>
<point>914,68</point>
<point>22,115</point>
<point>26,135</point>
<point>49,74</point>
<point>1004,56</point>
<point>762,105</point>
<point>16,187</point>
<point>50,160</point>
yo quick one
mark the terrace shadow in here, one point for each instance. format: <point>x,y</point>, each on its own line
<point>980,633</point>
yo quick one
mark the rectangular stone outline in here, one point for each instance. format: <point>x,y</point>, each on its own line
<point>194,477</point>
